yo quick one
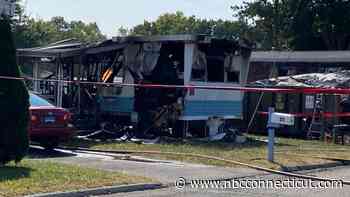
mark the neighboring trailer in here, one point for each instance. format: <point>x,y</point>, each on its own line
<point>286,65</point>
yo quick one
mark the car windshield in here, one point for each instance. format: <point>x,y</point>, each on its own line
<point>37,101</point>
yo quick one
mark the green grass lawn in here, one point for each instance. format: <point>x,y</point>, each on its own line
<point>32,176</point>
<point>253,152</point>
<point>312,148</point>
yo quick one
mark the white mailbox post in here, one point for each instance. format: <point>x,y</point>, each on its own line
<point>7,7</point>
<point>275,121</point>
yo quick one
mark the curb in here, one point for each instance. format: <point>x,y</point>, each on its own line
<point>102,191</point>
<point>314,167</point>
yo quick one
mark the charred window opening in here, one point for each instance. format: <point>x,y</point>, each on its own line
<point>170,65</point>
<point>198,75</point>
<point>215,63</point>
<point>233,77</point>
<point>216,69</point>
<point>168,70</point>
<point>233,67</point>
<point>120,77</point>
<point>110,70</point>
<point>199,65</point>
<point>155,61</point>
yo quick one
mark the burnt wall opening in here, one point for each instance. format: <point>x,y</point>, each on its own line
<point>151,104</point>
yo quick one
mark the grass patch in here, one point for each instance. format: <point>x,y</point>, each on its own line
<point>31,177</point>
<point>312,148</point>
<point>253,152</point>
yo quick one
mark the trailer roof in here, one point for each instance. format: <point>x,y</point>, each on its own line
<point>301,56</point>
<point>160,38</point>
<point>64,48</point>
<point>72,47</point>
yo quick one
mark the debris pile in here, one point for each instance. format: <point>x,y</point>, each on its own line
<point>325,80</point>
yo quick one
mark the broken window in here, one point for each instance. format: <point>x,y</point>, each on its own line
<point>170,65</point>
<point>209,63</point>
<point>119,78</point>
<point>233,64</point>
<point>216,71</point>
<point>114,90</point>
<point>113,72</point>
<point>217,62</point>
<point>133,59</point>
<point>198,75</point>
<point>150,56</point>
<point>233,77</point>
<point>142,59</point>
<point>199,66</point>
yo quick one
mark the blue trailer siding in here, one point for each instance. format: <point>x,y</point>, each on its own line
<point>191,108</point>
<point>213,108</point>
<point>117,104</point>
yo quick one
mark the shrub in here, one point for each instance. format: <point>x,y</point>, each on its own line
<point>14,102</point>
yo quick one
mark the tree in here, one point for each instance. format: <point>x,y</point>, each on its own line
<point>30,32</point>
<point>298,24</point>
<point>40,32</point>
<point>329,22</point>
<point>268,21</point>
<point>122,31</point>
<point>14,101</point>
<point>178,23</point>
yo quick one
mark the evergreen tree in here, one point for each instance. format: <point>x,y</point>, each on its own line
<point>14,101</point>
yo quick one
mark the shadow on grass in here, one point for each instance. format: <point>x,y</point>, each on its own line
<point>264,139</point>
<point>8,173</point>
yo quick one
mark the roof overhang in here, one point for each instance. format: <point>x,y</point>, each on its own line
<point>63,49</point>
<point>165,38</point>
<point>54,53</point>
<point>301,56</point>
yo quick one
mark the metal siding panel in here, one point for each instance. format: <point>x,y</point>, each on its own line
<point>213,108</point>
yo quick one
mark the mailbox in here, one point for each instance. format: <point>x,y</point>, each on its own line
<point>275,120</point>
<point>282,119</point>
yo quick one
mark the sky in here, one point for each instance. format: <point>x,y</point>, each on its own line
<point>112,14</point>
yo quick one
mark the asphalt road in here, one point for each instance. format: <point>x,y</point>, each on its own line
<point>170,171</point>
<point>247,193</point>
<point>172,192</point>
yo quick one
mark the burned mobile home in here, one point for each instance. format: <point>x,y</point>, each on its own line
<point>169,60</point>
